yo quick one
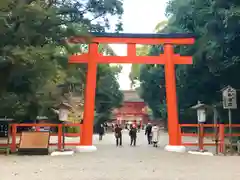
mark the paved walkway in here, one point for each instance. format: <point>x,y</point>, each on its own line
<point>142,162</point>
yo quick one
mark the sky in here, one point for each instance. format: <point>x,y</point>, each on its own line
<point>140,16</point>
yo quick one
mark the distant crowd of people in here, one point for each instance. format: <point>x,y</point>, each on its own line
<point>151,131</point>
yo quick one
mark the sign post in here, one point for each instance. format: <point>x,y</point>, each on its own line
<point>229,95</point>
<point>64,109</point>
<point>216,130</point>
<point>201,115</point>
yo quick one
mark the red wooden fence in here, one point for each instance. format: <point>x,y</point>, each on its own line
<point>14,134</point>
<point>221,134</point>
<point>201,135</point>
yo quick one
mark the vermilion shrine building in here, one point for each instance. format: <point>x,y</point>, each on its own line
<point>133,109</point>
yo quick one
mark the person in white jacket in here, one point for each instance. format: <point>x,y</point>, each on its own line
<point>155,135</point>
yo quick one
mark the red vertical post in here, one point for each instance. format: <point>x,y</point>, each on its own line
<point>13,134</point>
<point>221,137</point>
<point>89,101</point>
<point>171,96</point>
<point>201,136</point>
<point>80,134</point>
<point>131,50</point>
<point>180,134</point>
<point>60,137</point>
<point>37,128</point>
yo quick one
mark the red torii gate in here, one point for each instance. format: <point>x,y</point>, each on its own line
<point>93,57</point>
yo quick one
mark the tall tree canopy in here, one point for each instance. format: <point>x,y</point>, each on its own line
<point>34,52</point>
<point>215,54</point>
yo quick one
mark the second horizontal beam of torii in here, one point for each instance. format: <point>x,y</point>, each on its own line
<point>132,58</point>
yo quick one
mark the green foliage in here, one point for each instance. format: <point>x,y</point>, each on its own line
<point>215,54</point>
<point>135,68</point>
<point>34,52</point>
<point>72,129</point>
<point>108,94</point>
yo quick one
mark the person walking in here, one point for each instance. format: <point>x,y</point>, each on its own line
<point>101,132</point>
<point>118,135</point>
<point>126,126</point>
<point>155,135</point>
<point>148,132</point>
<point>105,127</point>
<point>139,127</point>
<point>133,135</point>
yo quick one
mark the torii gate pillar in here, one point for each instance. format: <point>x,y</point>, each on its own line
<point>169,59</point>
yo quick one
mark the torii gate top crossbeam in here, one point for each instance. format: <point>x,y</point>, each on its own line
<point>157,38</point>
<point>131,40</point>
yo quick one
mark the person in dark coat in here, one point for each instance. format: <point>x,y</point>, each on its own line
<point>126,126</point>
<point>101,132</point>
<point>148,132</point>
<point>113,128</point>
<point>133,135</point>
<point>118,135</point>
<point>105,127</point>
<point>139,127</point>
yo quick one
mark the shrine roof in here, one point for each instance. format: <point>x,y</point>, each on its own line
<point>138,35</point>
<point>131,96</point>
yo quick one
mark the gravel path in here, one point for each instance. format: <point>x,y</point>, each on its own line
<point>142,162</point>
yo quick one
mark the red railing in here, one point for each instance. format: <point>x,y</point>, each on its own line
<point>59,134</point>
<point>219,136</point>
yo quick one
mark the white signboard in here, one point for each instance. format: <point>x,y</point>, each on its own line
<point>201,113</point>
<point>63,114</point>
<point>229,98</point>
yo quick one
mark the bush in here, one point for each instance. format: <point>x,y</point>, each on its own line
<point>72,129</point>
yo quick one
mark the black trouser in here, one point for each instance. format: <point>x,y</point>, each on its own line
<point>100,137</point>
<point>119,140</point>
<point>155,144</point>
<point>149,137</point>
<point>133,140</point>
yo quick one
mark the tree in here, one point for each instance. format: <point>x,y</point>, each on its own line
<point>160,26</point>
<point>215,56</point>
<point>33,49</point>
<point>108,95</point>
<point>135,68</point>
